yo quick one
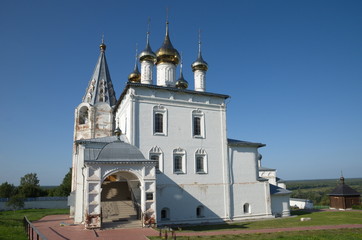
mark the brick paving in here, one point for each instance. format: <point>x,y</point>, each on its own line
<point>52,228</point>
<point>59,227</point>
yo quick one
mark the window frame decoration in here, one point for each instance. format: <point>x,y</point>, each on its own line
<point>156,151</point>
<point>198,127</point>
<point>157,112</point>
<point>201,153</point>
<point>180,154</point>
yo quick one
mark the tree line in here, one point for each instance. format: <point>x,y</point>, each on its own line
<point>29,188</point>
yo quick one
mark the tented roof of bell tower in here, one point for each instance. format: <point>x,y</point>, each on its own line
<point>100,87</point>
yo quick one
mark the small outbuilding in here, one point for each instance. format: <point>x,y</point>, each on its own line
<point>343,196</point>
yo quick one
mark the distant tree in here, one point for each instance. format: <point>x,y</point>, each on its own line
<point>7,190</point>
<point>29,186</point>
<point>29,179</point>
<point>16,202</point>
<point>65,187</point>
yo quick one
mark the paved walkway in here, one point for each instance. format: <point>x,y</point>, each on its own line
<point>53,228</point>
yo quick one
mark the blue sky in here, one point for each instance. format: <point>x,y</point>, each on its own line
<point>293,70</point>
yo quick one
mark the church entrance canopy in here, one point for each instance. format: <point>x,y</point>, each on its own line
<point>117,180</point>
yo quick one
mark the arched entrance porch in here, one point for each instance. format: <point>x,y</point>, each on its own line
<point>121,200</point>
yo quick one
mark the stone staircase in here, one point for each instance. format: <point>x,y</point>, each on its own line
<point>117,207</point>
<point>119,214</point>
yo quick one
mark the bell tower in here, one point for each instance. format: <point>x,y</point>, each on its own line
<point>93,118</point>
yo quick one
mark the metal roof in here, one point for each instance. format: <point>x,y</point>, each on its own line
<point>100,87</point>
<point>109,139</point>
<point>266,169</point>
<point>119,151</point>
<point>234,142</point>
<point>344,190</point>
<point>275,190</point>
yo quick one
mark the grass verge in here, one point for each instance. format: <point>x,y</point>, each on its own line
<point>337,234</point>
<point>317,218</point>
<point>11,222</point>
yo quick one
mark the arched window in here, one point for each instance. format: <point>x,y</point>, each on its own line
<point>246,208</point>
<point>200,211</point>
<point>165,214</point>
<point>83,115</point>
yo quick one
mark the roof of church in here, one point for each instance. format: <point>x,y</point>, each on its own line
<point>100,87</point>
<point>103,139</point>
<point>266,169</point>
<point>234,142</point>
<point>113,152</point>
<point>173,89</point>
<point>275,190</point>
<point>344,190</point>
<point>120,151</point>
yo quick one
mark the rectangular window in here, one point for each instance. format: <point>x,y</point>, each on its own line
<point>157,158</point>
<point>200,166</point>
<point>149,196</point>
<point>197,126</point>
<point>158,123</point>
<point>178,164</point>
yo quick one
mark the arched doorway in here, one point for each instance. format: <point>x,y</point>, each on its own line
<point>121,200</point>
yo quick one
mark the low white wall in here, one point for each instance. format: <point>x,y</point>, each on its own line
<point>38,203</point>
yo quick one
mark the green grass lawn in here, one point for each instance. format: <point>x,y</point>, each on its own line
<point>338,234</point>
<point>11,222</point>
<point>318,218</point>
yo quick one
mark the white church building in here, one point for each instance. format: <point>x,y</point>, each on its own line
<point>160,153</point>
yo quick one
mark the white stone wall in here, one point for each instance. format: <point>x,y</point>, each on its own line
<point>280,205</point>
<point>181,192</point>
<point>245,188</point>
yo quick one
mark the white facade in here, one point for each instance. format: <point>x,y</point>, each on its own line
<point>301,203</point>
<point>173,156</point>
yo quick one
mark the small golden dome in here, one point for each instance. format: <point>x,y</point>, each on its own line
<point>182,84</point>
<point>167,53</point>
<point>135,76</point>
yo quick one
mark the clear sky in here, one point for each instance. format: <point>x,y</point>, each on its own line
<point>293,70</point>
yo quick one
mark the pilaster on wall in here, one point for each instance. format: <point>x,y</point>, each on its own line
<point>93,198</point>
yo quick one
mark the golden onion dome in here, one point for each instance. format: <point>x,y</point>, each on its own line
<point>182,83</point>
<point>167,53</point>
<point>147,54</point>
<point>135,76</point>
<point>199,63</point>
